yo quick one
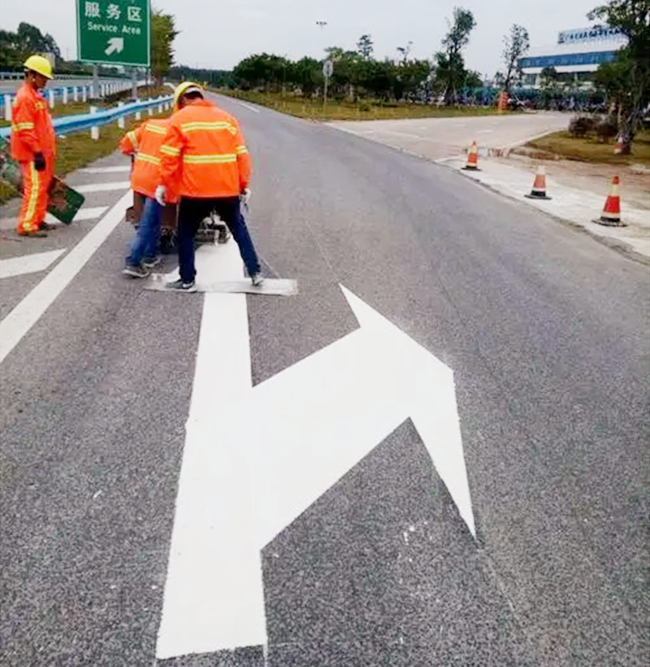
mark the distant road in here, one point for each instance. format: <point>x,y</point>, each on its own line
<point>440,138</point>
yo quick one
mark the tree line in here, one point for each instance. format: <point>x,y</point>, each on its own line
<point>357,74</point>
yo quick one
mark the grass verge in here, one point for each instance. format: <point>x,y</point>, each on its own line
<point>313,109</point>
<point>562,144</point>
<point>79,149</point>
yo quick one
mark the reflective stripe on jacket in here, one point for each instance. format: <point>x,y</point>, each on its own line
<point>31,126</point>
<point>204,153</point>
<point>145,142</point>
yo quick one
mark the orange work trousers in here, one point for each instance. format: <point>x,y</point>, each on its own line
<point>35,195</point>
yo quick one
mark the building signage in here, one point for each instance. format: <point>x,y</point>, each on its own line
<point>594,33</point>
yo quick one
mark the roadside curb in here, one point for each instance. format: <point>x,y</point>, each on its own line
<point>619,246</point>
<point>615,244</point>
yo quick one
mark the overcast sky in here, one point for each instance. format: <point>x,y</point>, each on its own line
<point>219,33</point>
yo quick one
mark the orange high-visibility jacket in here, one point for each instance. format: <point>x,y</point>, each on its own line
<point>145,142</point>
<point>204,153</point>
<point>31,126</point>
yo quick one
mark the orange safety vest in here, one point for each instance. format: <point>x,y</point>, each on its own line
<point>204,154</point>
<point>31,126</point>
<point>145,142</point>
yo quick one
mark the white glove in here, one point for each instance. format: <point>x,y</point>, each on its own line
<point>245,196</point>
<point>160,194</point>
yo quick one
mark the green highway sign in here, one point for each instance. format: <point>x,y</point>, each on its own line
<point>113,32</point>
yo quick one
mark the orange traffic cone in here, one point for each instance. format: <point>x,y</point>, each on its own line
<point>611,215</point>
<point>539,186</point>
<point>472,158</point>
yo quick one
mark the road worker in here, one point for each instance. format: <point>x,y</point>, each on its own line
<point>144,144</point>
<point>33,145</point>
<point>205,161</point>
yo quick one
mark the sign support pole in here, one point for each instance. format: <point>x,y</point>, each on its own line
<point>95,81</point>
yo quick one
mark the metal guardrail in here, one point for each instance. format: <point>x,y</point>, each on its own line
<point>73,93</point>
<point>85,121</point>
<point>20,74</point>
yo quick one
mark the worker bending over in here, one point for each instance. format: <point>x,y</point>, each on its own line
<point>204,160</point>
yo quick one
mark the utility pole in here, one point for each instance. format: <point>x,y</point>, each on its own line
<point>321,25</point>
<point>327,65</point>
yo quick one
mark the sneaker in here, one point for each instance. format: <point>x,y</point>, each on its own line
<point>257,279</point>
<point>181,286</point>
<point>151,263</point>
<point>135,271</point>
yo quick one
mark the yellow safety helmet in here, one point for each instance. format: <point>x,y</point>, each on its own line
<point>183,88</point>
<point>40,65</point>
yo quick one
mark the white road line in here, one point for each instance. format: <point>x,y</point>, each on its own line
<point>222,374</point>
<point>23,317</point>
<point>106,170</point>
<point>248,106</point>
<point>103,187</point>
<point>17,266</point>
<point>90,213</point>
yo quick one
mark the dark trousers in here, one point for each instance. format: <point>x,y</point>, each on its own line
<point>192,211</point>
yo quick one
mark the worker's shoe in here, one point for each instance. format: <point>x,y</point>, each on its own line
<point>37,233</point>
<point>181,286</point>
<point>257,279</point>
<point>135,271</point>
<point>151,262</point>
<point>46,227</point>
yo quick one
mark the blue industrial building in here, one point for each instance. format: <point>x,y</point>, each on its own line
<point>577,52</point>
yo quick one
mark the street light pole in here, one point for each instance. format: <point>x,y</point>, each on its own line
<point>326,75</point>
<point>321,25</point>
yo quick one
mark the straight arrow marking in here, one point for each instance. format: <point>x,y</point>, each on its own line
<point>255,460</point>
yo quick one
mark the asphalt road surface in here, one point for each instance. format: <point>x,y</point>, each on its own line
<point>188,479</point>
<point>441,138</point>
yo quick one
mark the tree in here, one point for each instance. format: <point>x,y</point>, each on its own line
<point>405,51</point>
<point>450,66</point>
<point>364,47</point>
<point>627,79</point>
<point>307,74</point>
<point>10,53</point>
<point>264,71</point>
<point>473,80</point>
<point>28,40</point>
<point>163,33</point>
<point>515,46</point>
<point>549,84</point>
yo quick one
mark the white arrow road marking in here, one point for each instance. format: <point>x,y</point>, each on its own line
<point>255,459</point>
<point>39,261</point>
<point>115,45</point>
<point>23,317</point>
